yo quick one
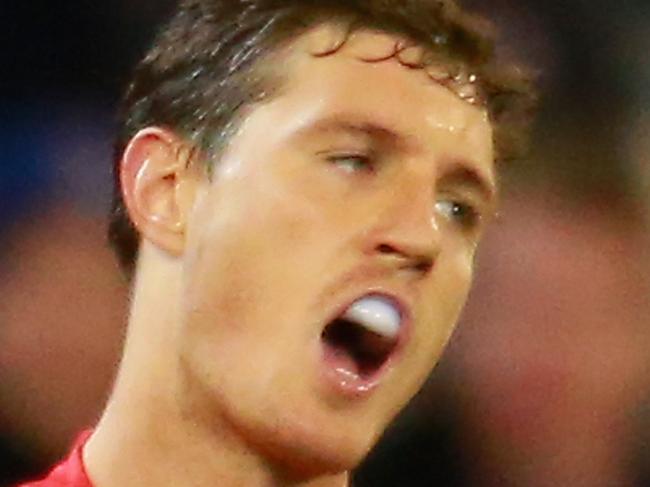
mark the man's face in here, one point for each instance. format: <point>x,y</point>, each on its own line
<point>329,256</point>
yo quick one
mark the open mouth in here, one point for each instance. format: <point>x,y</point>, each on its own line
<point>359,342</point>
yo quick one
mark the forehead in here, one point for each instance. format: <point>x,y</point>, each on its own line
<point>371,77</point>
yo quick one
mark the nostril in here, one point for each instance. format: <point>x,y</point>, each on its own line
<point>424,265</point>
<point>386,249</point>
<point>416,261</point>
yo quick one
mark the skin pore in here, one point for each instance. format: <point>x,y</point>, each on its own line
<point>358,177</point>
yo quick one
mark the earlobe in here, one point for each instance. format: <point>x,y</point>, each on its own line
<point>154,174</point>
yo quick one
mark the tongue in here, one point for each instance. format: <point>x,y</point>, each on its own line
<point>341,360</point>
<point>355,350</point>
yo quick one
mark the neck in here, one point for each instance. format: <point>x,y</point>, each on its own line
<point>144,438</point>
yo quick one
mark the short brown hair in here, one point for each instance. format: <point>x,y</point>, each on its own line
<point>200,71</point>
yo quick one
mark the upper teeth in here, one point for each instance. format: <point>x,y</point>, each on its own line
<point>376,314</point>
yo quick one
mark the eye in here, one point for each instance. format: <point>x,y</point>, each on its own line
<point>352,163</point>
<point>459,212</point>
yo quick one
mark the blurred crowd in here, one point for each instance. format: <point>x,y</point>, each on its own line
<point>546,382</point>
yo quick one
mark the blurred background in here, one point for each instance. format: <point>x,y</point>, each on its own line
<point>546,382</point>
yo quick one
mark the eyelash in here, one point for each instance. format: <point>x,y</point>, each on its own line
<point>462,213</point>
<point>364,162</point>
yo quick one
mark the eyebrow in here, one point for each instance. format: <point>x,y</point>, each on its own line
<point>359,126</point>
<point>462,172</point>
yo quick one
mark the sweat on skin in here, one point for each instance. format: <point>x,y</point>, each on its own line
<point>342,186</point>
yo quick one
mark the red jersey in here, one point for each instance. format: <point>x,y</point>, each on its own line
<point>69,473</point>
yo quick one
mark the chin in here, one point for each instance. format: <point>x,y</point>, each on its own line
<point>310,446</point>
<point>304,464</point>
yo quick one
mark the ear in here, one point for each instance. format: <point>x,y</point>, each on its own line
<point>158,186</point>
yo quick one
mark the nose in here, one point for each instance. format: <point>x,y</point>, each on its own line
<point>408,236</point>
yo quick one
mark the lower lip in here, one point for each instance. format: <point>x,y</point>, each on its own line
<point>340,374</point>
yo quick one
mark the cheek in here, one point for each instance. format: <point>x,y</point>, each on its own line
<point>453,285</point>
<point>256,250</point>
<point>442,303</point>
<point>232,272</point>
